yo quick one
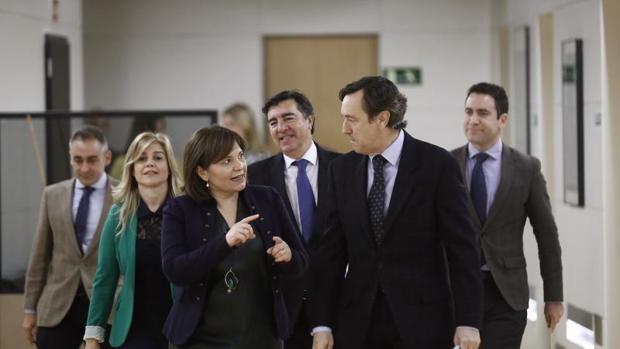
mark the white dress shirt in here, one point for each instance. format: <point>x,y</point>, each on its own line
<point>94,209</point>
<point>290,178</point>
<point>390,169</point>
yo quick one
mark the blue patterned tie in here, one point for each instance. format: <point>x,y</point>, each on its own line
<point>376,198</point>
<point>305,196</point>
<point>478,187</point>
<point>81,217</point>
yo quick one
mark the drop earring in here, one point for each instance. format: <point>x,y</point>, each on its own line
<point>207,184</point>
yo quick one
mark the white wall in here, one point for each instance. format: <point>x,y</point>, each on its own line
<point>23,25</point>
<point>207,54</point>
<point>580,229</point>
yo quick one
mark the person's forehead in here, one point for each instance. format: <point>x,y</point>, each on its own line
<point>285,107</point>
<point>481,98</point>
<point>85,146</point>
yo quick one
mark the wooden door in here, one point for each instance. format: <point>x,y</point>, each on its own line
<point>319,66</point>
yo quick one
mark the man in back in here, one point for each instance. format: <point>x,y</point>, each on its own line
<point>64,254</point>
<point>507,187</point>
<point>299,174</point>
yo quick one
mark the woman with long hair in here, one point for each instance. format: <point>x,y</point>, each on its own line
<point>130,250</point>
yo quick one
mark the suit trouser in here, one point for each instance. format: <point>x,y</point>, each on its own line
<point>502,326</point>
<point>382,332</point>
<point>300,338</point>
<point>69,332</point>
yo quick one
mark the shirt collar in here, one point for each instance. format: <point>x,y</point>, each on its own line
<point>99,184</point>
<point>495,151</point>
<point>392,153</point>
<point>311,155</point>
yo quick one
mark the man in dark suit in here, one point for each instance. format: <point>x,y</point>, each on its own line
<point>291,119</point>
<point>64,253</point>
<point>398,218</point>
<point>506,188</point>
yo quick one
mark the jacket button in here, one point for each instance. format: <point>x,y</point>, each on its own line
<point>201,284</point>
<point>268,232</point>
<point>275,277</point>
<point>207,226</point>
<point>208,213</point>
<point>254,207</point>
<point>277,291</point>
<point>262,219</point>
<point>204,239</point>
<point>197,298</point>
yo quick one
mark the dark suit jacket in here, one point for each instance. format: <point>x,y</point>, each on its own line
<point>427,265</point>
<point>522,193</point>
<point>57,265</point>
<point>270,172</point>
<point>190,251</point>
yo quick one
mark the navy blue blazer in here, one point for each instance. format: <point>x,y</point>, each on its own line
<point>427,265</point>
<point>190,251</point>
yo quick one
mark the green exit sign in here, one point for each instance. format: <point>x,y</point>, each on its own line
<point>404,75</point>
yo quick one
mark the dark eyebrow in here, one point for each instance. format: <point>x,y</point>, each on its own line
<point>281,116</point>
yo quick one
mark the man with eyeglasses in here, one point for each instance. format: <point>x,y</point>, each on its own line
<point>299,174</point>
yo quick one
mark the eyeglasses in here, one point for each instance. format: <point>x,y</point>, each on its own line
<point>231,280</point>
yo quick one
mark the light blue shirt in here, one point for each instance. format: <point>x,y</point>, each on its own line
<point>390,170</point>
<point>95,207</point>
<point>492,169</point>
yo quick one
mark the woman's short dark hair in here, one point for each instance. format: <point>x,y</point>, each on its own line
<point>206,146</point>
<point>379,94</point>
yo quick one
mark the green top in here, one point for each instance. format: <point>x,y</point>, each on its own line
<point>117,258</point>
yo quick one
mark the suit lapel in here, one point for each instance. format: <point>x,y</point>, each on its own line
<point>277,173</point>
<point>505,182</point>
<point>360,184</point>
<point>107,202</point>
<point>461,155</point>
<point>67,216</point>
<point>461,158</point>
<point>404,182</point>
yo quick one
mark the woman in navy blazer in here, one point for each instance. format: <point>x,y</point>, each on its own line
<point>227,247</point>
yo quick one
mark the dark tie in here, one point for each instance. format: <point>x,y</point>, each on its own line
<point>478,192</point>
<point>305,197</point>
<point>376,198</point>
<point>478,187</point>
<point>81,217</point>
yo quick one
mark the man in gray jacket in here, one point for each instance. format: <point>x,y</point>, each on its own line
<point>507,187</point>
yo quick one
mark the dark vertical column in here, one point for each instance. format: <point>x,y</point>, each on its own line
<point>57,98</point>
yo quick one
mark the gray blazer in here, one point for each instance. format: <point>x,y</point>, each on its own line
<point>56,263</point>
<point>521,194</point>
